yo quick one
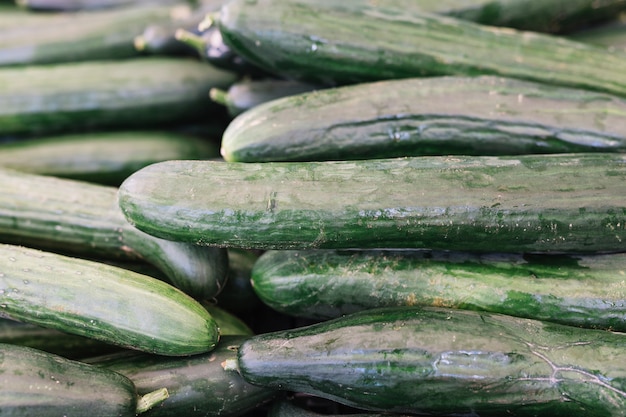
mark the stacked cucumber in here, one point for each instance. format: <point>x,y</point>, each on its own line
<point>304,208</point>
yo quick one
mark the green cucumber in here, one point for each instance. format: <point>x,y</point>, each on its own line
<point>131,93</point>
<point>197,385</point>
<point>78,36</point>
<point>53,341</point>
<point>237,294</point>
<point>103,302</point>
<point>430,116</point>
<point>85,220</point>
<point>245,94</point>
<point>585,291</point>
<point>78,5</point>
<point>444,362</point>
<point>289,408</point>
<point>530,203</point>
<point>33,382</point>
<point>323,43</point>
<point>102,157</point>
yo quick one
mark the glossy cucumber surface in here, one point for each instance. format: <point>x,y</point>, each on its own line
<point>530,203</point>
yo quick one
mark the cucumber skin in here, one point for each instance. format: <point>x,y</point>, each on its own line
<point>85,220</point>
<point>102,302</point>
<point>433,116</point>
<point>444,362</point>
<point>197,385</point>
<point>485,204</point>
<point>582,291</point>
<point>111,94</point>
<point>105,158</point>
<point>328,45</point>
<point>33,382</point>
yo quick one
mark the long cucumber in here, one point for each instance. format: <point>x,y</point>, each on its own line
<point>530,203</point>
<point>38,383</point>
<point>103,302</point>
<point>83,219</point>
<point>582,291</point>
<point>333,45</point>
<point>430,116</point>
<point>130,93</point>
<point>430,361</point>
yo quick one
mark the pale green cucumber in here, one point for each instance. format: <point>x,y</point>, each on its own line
<point>84,219</point>
<point>428,116</point>
<point>529,203</point>
<point>102,302</point>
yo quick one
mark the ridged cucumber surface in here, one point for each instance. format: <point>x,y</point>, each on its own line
<point>102,302</point>
<point>197,385</point>
<point>322,43</point>
<point>582,291</point>
<point>111,94</point>
<point>431,116</point>
<point>432,361</point>
<point>82,219</point>
<point>530,203</point>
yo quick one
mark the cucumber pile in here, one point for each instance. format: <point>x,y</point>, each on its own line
<point>280,208</point>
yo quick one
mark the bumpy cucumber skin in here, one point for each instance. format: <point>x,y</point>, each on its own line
<point>36,383</point>
<point>582,291</point>
<point>102,157</point>
<point>445,362</point>
<point>83,219</point>
<point>111,94</point>
<point>197,385</point>
<point>485,204</point>
<point>102,302</point>
<point>321,43</point>
<point>432,116</point>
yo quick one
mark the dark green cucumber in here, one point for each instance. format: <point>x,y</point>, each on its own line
<point>288,408</point>
<point>80,36</point>
<point>197,385</point>
<point>37,383</point>
<point>102,302</point>
<point>83,219</point>
<point>245,94</point>
<point>151,91</point>
<point>428,116</point>
<point>327,44</point>
<point>53,341</point>
<point>102,157</point>
<point>444,362</point>
<point>585,291</point>
<point>237,294</point>
<point>529,203</point>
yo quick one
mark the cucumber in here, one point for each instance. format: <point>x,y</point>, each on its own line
<point>485,204</point>
<point>197,385</point>
<point>79,36</point>
<point>609,35</point>
<point>102,302</point>
<point>289,408</point>
<point>48,99</point>
<point>92,5</point>
<point>245,94</point>
<point>237,294</point>
<point>585,291</point>
<point>434,361</point>
<point>228,323</point>
<point>85,220</point>
<point>102,157</point>
<point>52,341</point>
<point>432,116</point>
<point>322,43</point>
<point>33,382</point>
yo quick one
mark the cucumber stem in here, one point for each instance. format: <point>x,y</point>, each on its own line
<point>190,39</point>
<point>230,365</point>
<point>149,400</point>
<point>219,96</point>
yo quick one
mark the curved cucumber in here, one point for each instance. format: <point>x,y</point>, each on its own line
<point>125,93</point>
<point>585,291</point>
<point>102,157</point>
<point>538,203</point>
<point>102,302</point>
<point>323,43</point>
<point>84,219</point>
<point>431,116</point>
<point>444,362</point>
<point>197,385</point>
